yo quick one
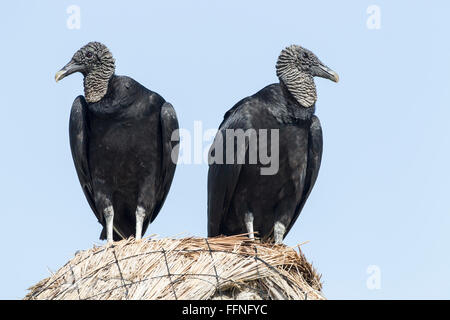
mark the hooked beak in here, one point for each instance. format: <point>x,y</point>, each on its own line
<point>68,69</point>
<point>325,72</point>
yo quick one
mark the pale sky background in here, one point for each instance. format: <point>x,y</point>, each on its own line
<point>382,195</point>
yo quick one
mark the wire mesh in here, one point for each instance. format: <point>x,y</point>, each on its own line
<point>187,268</point>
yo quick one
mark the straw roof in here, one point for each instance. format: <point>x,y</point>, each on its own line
<point>186,268</point>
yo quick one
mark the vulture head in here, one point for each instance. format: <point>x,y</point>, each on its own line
<point>97,65</point>
<point>296,68</point>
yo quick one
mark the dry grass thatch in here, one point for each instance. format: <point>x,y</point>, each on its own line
<point>185,268</point>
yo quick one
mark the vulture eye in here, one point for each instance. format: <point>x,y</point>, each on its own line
<point>88,54</point>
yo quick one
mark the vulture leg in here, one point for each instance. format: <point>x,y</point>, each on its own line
<point>248,219</point>
<point>109,218</point>
<point>105,206</point>
<point>279,230</point>
<point>140,216</point>
<point>145,203</point>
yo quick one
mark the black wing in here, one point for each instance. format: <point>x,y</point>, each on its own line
<point>315,145</point>
<point>223,178</point>
<point>170,148</point>
<point>78,133</point>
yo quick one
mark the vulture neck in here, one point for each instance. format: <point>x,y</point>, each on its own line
<point>96,82</point>
<point>299,84</point>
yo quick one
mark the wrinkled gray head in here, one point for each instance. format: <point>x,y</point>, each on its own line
<point>97,65</point>
<point>296,68</point>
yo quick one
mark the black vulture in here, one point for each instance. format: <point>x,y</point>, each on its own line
<point>242,197</point>
<point>122,144</point>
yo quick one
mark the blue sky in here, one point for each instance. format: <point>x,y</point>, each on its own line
<point>382,193</point>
